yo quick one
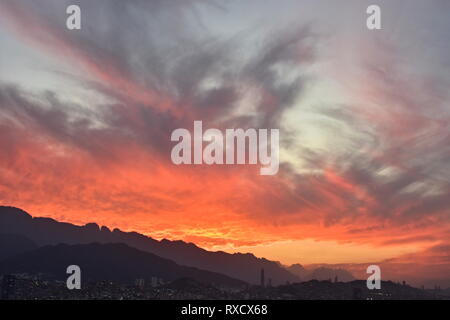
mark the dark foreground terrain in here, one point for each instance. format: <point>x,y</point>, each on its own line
<point>31,287</point>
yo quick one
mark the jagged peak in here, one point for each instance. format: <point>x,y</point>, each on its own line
<point>14,210</point>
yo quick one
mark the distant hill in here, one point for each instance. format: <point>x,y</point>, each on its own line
<point>352,290</point>
<point>321,273</point>
<point>299,271</point>
<point>46,231</point>
<point>327,273</point>
<point>12,244</point>
<point>116,262</point>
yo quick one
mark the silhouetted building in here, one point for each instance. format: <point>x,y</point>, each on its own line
<point>155,282</point>
<point>263,281</point>
<point>140,283</point>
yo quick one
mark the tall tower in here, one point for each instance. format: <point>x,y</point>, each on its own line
<point>263,280</point>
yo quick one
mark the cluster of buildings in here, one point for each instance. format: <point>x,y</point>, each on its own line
<point>31,287</point>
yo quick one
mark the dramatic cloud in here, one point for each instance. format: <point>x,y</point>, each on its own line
<point>364,120</point>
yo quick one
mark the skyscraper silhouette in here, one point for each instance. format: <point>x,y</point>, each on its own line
<point>262,278</point>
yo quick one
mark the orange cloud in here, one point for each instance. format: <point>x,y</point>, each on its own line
<point>119,174</point>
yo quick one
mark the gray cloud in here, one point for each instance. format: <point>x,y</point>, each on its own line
<point>394,169</point>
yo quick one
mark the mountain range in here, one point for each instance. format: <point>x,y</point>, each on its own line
<point>321,273</point>
<point>26,237</point>
<point>113,261</point>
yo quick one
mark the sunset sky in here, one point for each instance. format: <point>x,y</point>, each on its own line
<point>364,117</point>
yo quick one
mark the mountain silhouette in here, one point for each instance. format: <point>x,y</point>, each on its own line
<point>321,273</point>
<point>13,244</point>
<point>299,271</point>
<point>114,261</point>
<point>46,231</point>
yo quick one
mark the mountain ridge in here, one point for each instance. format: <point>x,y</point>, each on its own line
<point>47,231</point>
<point>111,261</point>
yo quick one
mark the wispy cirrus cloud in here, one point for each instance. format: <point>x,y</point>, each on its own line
<point>382,179</point>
